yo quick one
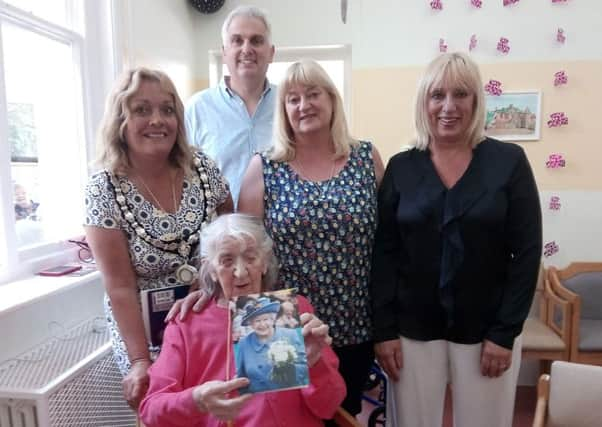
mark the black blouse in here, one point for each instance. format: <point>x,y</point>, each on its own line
<point>458,264</point>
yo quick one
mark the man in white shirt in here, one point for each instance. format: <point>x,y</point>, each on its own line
<point>233,121</point>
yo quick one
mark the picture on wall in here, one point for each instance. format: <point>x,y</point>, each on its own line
<point>513,116</point>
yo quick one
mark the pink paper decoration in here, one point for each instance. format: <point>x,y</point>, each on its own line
<point>509,2</point>
<point>558,119</point>
<point>559,1</point>
<point>442,46</point>
<point>560,37</point>
<point>560,78</point>
<point>502,45</point>
<point>476,3</point>
<point>473,42</point>
<point>493,87</point>
<point>555,161</point>
<point>436,5</point>
<point>554,203</point>
<point>550,249</point>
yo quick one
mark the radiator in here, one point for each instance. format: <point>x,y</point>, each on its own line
<point>69,381</point>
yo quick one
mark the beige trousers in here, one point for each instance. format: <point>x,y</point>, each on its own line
<point>417,400</point>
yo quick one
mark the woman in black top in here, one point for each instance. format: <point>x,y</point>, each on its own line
<point>456,258</point>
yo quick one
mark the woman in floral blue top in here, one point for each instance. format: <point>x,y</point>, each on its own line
<point>316,191</point>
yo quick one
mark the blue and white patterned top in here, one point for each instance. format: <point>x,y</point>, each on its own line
<point>323,235</point>
<point>154,267</point>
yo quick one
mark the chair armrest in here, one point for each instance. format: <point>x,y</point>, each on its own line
<point>558,288</point>
<point>344,419</point>
<point>541,407</point>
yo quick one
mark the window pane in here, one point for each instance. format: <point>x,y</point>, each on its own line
<point>42,133</point>
<point>51,10</point>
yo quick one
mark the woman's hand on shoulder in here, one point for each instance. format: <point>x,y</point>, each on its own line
<point>213,397</point>
<point>135,383</point>
<point>389,357</point>
<point>195,301</point>
<point>316,337</point>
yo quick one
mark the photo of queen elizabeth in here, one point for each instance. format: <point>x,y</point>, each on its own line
<point>271,357</point>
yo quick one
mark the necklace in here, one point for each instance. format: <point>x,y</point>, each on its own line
<point>322,190</point>
<point>171,242</point>
<point>173,193</point>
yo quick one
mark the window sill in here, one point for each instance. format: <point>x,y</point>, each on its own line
<point>18,294</point>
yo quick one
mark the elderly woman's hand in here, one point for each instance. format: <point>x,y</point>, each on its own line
<point>316,337</point>
<point>212,397</point>
<point>495,359</point>
<point>195,300</point>
<point>135,383</point>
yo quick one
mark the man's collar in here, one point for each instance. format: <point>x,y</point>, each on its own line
<point>225,84</point>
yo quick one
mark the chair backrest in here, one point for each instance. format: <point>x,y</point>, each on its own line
<point>575,395</point>
<point>588,285</point>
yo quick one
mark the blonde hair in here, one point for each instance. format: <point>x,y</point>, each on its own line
<point>111,144</point>
<point>241,228</point>
<point>308,72</point>
<point>456,70</point>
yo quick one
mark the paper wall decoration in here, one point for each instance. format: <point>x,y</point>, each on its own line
<point>503,46</point>
<point>476,3</point>
<point>555,161</point>
<point>558,119</point>
<point>550,249</point>
<point>559,1</point>
<point>442,46</point>
<point>560,78</point>
<point>473,42</point>
<point>436,5</point>
<point>554,203</point>
<point>509,2</point>
<point>494,87</point>
<point>560,37</point>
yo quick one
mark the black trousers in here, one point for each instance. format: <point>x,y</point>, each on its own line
<point>354,365</point>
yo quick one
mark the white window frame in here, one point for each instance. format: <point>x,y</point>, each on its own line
<point>95,68</point>
<point>290,54</point>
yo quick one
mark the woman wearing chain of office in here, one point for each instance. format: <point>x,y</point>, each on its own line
<point>316,192</point>
<point>145,209</point>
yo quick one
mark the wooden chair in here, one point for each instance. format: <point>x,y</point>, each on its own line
<point>580,284</point>
<point>546,333</point>
<point>570,396</point>
<point>344,419</point>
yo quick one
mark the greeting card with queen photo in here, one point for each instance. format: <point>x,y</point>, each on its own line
<point>268,343</point>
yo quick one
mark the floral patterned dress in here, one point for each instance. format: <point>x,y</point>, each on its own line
<point>154,267</point>
<point>323,234</point>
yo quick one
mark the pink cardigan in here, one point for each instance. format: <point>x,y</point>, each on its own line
<point>194,351</point>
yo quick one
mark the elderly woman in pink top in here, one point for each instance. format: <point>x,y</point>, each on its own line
<point>190,383</point>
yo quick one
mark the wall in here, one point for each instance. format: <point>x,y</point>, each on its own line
<point>392,41</point>
<point>160,34</point>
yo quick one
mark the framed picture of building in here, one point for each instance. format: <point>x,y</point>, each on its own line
<point>513,116</point>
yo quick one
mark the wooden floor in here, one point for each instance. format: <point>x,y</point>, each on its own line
<point>524,408</point>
